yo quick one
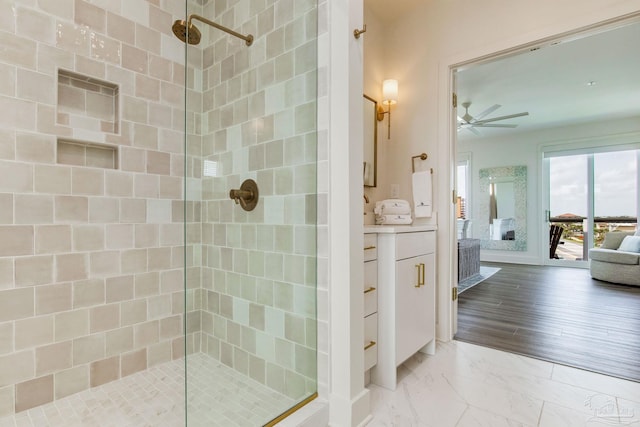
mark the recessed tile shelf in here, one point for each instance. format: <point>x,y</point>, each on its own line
<point>80,153</point>
<point>87,103</point>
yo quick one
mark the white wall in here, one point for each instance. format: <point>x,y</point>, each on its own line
<point>417,45</point>
<point>418,50</point>
<point>498,152</point>
<point>525,149</point>
<point>374,74</point>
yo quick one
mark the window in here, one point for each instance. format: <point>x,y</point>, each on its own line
<point>591,193</point>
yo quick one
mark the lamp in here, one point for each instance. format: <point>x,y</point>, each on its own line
<point>389,97</point>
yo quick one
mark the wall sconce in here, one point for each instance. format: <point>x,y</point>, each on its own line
<point>389,97</point>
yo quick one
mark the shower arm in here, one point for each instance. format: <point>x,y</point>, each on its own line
<point>248,38</point>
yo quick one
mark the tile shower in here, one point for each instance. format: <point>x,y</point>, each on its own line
<point>107,203</point>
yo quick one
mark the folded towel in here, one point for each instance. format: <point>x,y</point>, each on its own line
<point>393,219</point>
<point>393,207</point>
<point>422,194</point>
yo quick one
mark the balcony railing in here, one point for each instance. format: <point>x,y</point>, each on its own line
<point>573,237</point>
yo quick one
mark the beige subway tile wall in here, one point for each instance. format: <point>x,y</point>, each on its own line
<point>91,190</point>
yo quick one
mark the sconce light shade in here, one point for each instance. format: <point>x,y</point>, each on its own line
<point>389,92</point>
<point>389,97</point>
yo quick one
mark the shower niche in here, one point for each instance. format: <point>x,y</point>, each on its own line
<point>87,103</point>
<point>79,153</point>
<point>89,107</point>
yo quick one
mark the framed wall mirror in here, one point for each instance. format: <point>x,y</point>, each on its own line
<point>370,143</point>
<point>503,208</point>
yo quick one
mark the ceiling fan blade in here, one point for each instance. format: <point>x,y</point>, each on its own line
<point>473,130</point>
<point>491,125</point>
<point>510,116</point>
<point>486,112</point>
<point>461,120</point>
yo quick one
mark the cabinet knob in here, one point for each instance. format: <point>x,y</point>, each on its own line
<point>366,248</point>
<point>369,289</point>
<point>371,344</point>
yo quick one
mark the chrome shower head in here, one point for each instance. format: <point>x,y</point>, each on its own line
<point>182,29</point>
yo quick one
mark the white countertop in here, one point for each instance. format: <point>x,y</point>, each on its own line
<point>398,228</point>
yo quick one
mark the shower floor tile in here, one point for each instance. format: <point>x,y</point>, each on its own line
<point>218,396</point>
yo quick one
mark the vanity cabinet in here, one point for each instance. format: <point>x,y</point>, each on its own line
<point>415,313</point>
<point>406,299</point>
<point>370,295</point>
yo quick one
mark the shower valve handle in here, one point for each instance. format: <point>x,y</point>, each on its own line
<point>238,195</point>
<point>246,196</point>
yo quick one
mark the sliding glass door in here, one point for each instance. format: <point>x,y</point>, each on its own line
<point>590,192</point>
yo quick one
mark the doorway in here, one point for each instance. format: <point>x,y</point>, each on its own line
<point>509,117</point>
<point>536,140</point>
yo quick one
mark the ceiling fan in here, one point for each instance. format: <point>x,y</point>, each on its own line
<point>470,123</point>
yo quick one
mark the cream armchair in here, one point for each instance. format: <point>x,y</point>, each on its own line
<point>612,265</point>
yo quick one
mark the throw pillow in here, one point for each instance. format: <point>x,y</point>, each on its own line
<point>630,244</point>
<point>613,239</point>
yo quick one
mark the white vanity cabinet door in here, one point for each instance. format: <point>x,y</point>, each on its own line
<point>414,305</point>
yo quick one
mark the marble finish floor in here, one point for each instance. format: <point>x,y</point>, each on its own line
<point>463,385</point>
<point>466,385</point>
<point>218,396</point>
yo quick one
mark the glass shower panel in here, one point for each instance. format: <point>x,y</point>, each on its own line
<point>251,275</point>
<point>91,213</point>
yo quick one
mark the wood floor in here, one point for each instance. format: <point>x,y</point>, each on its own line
<point>556,314</point>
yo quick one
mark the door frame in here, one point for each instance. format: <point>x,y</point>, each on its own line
<point>447,145</point>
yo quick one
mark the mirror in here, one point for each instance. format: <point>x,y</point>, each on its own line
<point>503,208</point>
<point>370,143</point>
<point>502,212</point>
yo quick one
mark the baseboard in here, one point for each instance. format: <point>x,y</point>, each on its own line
<point>354,412</point>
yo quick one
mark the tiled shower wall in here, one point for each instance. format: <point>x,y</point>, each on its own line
<point>91,167</point>
<point>256,310</point>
